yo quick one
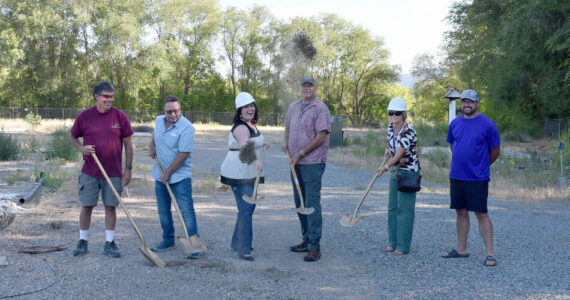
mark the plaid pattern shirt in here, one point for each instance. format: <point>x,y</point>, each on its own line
<point>304,127</point>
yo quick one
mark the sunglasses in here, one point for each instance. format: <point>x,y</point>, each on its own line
<point>174,111</point>
<point>394,113</point>
<point>107,96</point>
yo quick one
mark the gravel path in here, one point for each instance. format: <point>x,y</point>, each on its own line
<point>531,244</point>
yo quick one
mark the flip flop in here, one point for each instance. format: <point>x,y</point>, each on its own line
<point>454,254</point>
<point>490,258</point>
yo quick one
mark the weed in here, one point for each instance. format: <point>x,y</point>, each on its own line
<point>55,175</point>
<point>34,120</point>
<point>55,224</point>
<point>59,145</point>
<point>17,176</point>
<point>9,147</point>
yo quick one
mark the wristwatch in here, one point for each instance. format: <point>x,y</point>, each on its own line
<point>302,153</point>
<point>130,167</point>
<point>387,168</point>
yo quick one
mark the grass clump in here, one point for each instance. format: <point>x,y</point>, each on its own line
<point>60,147</point>
<point>16,176</point>
<point>9,147</point>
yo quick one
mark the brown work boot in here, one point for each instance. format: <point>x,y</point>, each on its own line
<point>302,247</point>
<point>313,255</point>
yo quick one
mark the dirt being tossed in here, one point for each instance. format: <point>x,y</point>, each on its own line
<point>303,44</point>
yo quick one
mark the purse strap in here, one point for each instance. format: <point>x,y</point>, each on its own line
<point>417,154</point>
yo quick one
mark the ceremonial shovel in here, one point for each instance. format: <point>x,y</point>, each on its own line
<point>191,244</point>
<point>302,209</point>
<point>153,258</point>
<point>253,198</point>
<point>348,220</point>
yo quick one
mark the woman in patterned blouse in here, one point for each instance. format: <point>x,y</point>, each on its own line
<point>402,154</point>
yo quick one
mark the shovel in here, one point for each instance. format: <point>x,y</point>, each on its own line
<point>253,198</point>
<point>302,209</point>
<point>153,258</point>
<point>348,220</point>
<point>191,244</point>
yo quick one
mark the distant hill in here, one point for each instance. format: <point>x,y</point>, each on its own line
<point>406,80</point>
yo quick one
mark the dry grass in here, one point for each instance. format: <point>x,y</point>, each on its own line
<point>47,125</point>
<point>512,188</point>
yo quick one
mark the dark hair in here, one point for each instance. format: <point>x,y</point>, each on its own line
<point>171,98</point>
<point>237,115</point>
<point>103,86</point>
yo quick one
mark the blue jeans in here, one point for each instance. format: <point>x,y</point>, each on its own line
<point>401,213</point>
<point>183,193</point>
<point>243,232</point>
<point>310,182</point>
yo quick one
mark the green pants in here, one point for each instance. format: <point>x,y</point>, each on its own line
<point>401,212</point>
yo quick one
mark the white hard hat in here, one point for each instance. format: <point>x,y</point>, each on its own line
<point>244,99</point>
<point>397,104</point>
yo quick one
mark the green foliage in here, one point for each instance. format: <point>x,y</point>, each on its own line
<point>515,54</point>
<point>431,134</point>
<point>9,147</point>
<point>17,176</point>
<point>34,120</point>
<point>54,176</point>
<point>369,145</point>
<point>60,147</point>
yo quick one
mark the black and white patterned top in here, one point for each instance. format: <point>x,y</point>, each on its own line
<point>408,140</point>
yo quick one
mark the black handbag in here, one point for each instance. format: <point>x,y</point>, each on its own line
<point>409,183</point>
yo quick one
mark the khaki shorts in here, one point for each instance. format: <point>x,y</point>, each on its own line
<point>89,188</point>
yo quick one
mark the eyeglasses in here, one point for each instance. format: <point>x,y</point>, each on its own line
<point>394,113</point>
<point>108,96</point>
<point>174,111</point>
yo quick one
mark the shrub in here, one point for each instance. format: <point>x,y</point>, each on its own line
<point>431,135</point>
<point>59,145</point>
<point>34,120</point>
<point>9,147</point>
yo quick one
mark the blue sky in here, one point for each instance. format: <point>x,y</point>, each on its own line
<point>409,27</point>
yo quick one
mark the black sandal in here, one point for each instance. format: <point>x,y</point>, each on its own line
<point>490,258</point>
<point>454,254</point>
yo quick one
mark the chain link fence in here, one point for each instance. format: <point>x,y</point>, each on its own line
<point>557,128</point>
<point>146,116</point>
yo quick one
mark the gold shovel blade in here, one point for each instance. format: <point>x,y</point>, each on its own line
<point>305,210</point>
<point>248,199</point>
<point>197,244</point>
<point>152,257</point>
<point>187,245</point>
<point>348,221</point>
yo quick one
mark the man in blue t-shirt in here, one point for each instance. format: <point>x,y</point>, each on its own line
<point>475,145</point>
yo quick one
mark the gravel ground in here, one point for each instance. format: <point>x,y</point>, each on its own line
<point>531,244</point>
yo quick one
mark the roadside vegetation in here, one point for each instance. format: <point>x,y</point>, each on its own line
<point>9,147</point>
<point>524,171</point>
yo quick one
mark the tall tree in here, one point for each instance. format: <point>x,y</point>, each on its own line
<point>516,54</point>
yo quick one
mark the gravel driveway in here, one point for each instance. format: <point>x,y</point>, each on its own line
<point>531,244</point>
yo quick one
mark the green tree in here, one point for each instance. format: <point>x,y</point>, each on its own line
<point>515,53</point>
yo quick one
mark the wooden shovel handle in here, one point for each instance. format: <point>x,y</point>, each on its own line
<point>254,196</point>
<point>173,200</point>
<point>367,190</point>
<point>302,206</point>
<point>119,198</point>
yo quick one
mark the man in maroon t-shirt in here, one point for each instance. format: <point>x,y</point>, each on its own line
<point>104,130</point>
